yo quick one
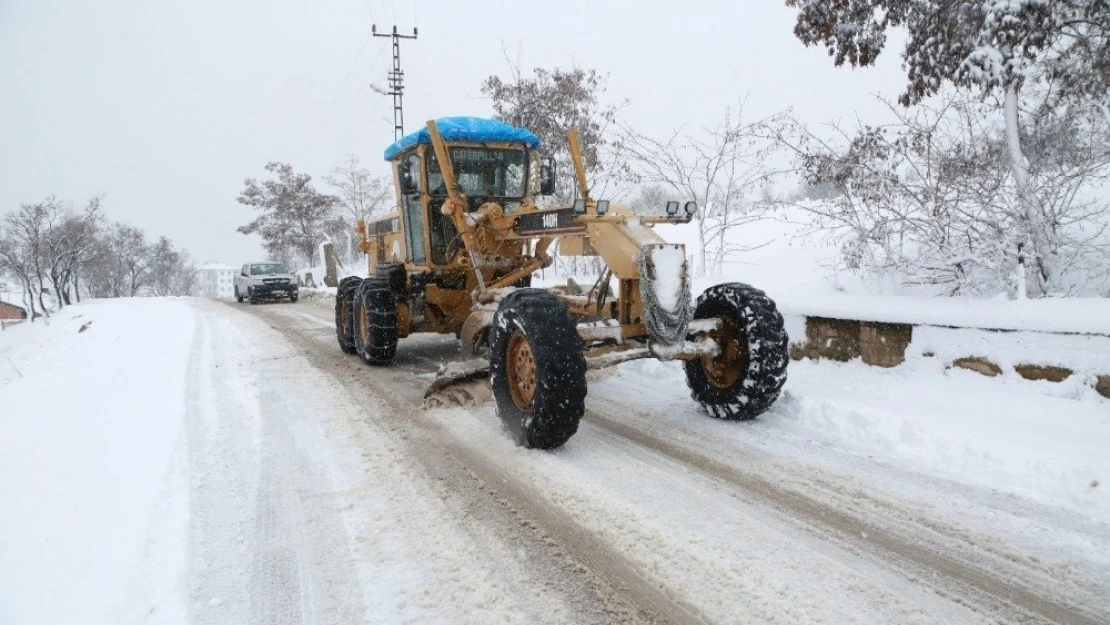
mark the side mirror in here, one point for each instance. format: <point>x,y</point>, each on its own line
<point>547,177</point>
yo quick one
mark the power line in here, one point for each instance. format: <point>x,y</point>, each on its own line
<point>396,79</point>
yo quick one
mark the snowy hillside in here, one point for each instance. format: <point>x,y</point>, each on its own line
<point>94,453</point>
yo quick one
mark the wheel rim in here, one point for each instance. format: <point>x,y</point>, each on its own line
<point>727,368</point>
<point>521,371</point>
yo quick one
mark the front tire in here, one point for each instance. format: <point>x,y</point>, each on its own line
<point>344,313</point>
<point>376,322</point>
<point>745,379</point>
<point>238,298</point>
<point>537,369</point>
<point>252,296</point>
<point>397,278</point>
<point>293,296</point>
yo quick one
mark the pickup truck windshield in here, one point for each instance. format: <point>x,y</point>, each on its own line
<point>262,270</point>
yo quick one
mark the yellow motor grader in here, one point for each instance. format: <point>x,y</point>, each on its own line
<point>458,255</point>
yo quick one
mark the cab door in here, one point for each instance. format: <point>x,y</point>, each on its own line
<point>412,207</point>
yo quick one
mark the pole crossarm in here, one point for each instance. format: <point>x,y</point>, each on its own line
<point>396,78</point>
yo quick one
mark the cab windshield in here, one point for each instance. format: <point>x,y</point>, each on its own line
<point>268,269</point>
<point>482,172</point>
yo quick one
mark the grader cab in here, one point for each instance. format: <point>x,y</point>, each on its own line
<point>457,258</point>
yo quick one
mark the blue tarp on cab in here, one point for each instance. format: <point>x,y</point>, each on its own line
<point>477,129</point>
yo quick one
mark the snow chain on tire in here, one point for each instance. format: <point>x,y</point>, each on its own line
<point>396,277</point>
<point>668,327</point>
<point>558,386</point>
<point>376,306</point>
<point>345,314</point>
<point>761,337</point>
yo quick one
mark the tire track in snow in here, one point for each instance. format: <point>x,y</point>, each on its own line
<point>223,458</point>
<point>1044,550</point>
<point>623,592</point>
<point>278,575</point>
<point>266,544</point>
<point>600,550</point>
<point>867,536</point>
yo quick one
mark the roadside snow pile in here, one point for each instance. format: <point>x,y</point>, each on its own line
<point>1031,438</point>
<point>320,292</point>
<point>1043,441</point>
<point>1080,315</point>
<point>93,457</point>
<point>1086,355</point>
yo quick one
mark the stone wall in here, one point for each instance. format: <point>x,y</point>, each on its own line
<point>884,345</point>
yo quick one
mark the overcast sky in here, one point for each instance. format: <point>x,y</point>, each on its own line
<point>165,107</point>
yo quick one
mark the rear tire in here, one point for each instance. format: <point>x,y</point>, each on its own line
<point>746,379</point>
<point>376,322</point>
<point>537,369</point>
<point>344,313</point>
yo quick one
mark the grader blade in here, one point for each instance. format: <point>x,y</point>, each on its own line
<point>459,384</point>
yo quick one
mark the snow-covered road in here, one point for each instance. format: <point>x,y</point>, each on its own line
<point>285,482</point>
<point>307,507</point>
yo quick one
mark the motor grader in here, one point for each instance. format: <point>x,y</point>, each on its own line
<point>457,258</point>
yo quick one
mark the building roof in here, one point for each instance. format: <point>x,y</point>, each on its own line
<point>3,303</point>
<point>476,129</point>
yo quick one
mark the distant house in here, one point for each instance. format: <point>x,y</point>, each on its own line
<point>216,280</point>
<point>11,312</point>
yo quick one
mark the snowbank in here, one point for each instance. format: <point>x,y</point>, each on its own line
<point>1086,355</point>
<point>94,463</point>
<point>320,292</point>
<point>1080,315</point>
<point>1040,440</point>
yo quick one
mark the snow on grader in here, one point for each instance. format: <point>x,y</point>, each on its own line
<point>458,255</point>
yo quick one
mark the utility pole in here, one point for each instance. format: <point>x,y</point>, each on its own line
<point>396,79</point>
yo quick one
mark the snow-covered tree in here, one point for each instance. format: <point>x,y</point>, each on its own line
<point>171,270</point>
<point>929,199</point>
<point>20,257</point>
<point>44,244</point>
<point>552,101</point>
<point>993,46</point>
<point>294,216</point>
<point>125,263</point>
<point>361,196</point>
<point>121,266</point>
<point>70,243</point>
<point>58,253</point>
<point>723,169</point>
<point>906,200</point>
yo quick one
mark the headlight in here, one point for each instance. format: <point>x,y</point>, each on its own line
<point>580,207</point>
<point>602,207</point>
<point>672,208</point>
<point>691,208</point>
